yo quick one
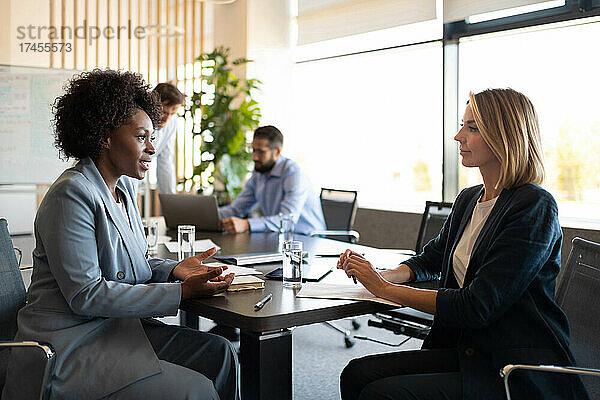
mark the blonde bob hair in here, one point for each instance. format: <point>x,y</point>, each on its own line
<point>509,125</point>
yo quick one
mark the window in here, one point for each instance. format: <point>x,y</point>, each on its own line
<point>556,67</point>
<point>372,122</point>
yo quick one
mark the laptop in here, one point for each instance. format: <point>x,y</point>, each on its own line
<point>314,271</point>
<point>190,209</point>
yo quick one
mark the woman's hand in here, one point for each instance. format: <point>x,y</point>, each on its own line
<point>356,265</point>
<point>205,283</point>
<point>192,265</point>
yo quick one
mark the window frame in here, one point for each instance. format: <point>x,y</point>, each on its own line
<point>452,32</point>
<point>573,9</point>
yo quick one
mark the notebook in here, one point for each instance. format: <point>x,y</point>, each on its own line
<point>246,282</point>
<point>190,209</point>
<point>314,271</point>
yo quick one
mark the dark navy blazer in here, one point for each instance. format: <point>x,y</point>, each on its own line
<point>505,313</point>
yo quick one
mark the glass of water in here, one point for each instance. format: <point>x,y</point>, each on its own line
<point>286,227</point>
<point>186,234</point>
<point>292,264</point>
<point>151,232</point>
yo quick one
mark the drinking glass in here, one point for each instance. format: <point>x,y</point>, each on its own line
<point>286,228</point>
<point>186,234</point>
<point>292,264</point>
<point>151,233</point>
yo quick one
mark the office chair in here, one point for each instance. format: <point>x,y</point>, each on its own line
<point>406,321</point>
<point>433,219</point>
<point>339,209</point>
<point>12,298</point>
<point>577,295</point>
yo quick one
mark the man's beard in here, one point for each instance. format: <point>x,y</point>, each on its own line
<point>266,167</point>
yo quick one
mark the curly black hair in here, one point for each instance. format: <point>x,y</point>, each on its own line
<point>95,104</point>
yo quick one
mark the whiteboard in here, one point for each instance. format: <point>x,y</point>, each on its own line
<point>27,152</point>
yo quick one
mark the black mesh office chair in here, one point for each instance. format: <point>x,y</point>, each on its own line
<point>577,295</point>
<point>12,298</point>
<point>433,219</point>
<point>339,209</point>
<point>407,321</point>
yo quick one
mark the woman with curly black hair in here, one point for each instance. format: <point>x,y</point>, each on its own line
<point>94,290</point>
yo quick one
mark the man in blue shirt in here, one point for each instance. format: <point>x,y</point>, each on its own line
<point>278,185</point>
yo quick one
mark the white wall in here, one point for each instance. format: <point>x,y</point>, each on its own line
<point>269,46</point>
<point>260,30</point>
<point>22,13</point>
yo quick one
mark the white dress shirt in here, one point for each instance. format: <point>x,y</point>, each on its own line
<point>164,144</point>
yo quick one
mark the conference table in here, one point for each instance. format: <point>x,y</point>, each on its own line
<point>266,334</point>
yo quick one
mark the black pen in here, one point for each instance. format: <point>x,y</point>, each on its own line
<point>262,303</point>
<point>354,279</point>
<point>333,255</point>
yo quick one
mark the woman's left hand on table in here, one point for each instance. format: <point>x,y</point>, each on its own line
<point>356,265</point>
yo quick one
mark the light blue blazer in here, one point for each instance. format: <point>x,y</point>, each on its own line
<point>92,281</point>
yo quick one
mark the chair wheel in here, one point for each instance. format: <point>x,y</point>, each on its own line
<point>349,342</point>
<point>355,325</point>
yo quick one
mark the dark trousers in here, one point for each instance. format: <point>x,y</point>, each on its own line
<point>195,365</point>
<point>417,374</point>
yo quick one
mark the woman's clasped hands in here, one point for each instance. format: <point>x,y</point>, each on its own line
<point>355,264</point>
<point>200,280</point>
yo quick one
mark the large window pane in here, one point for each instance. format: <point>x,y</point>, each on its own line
<point>557,68</point>
<point>372,122</point>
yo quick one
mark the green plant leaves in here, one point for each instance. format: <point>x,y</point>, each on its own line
<point>228,118</point>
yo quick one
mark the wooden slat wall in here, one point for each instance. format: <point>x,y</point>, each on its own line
<point>159,56</point>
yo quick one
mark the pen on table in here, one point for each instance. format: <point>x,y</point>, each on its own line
<point>262,303</point>
<point>333,255</point>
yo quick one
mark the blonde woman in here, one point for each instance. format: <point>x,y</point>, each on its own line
<point>497,257</point>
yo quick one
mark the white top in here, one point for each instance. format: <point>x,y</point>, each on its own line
<point>122,205</point>
<point>462,253</point>
<point>164,144</point>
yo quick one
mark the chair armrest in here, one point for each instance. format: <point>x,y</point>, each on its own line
<point>355,235</point>
<point>45,348</point>
<point>506,371</point>
<point>49,353</point>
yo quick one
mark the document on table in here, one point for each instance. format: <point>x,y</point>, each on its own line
<point>238,271</point>
<point>199,246</point>
<point>340,292</point>
<point>386,258</point>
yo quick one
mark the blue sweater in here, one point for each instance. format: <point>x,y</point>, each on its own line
<point>505,313</point>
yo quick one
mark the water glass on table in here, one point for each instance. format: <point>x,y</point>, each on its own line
<point>286,228</point>
<point>186,235</point>
<point>292,264</point>
<point>151,233</point>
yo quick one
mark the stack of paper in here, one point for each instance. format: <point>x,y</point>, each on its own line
<point>250,259</point>
<point>199,246</point>
<point>238,271</point>
<point>340,292</point>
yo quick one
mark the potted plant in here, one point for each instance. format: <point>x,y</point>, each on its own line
<point>224,114</point>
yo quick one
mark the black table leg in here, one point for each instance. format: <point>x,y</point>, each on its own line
<point>189,319</point>
<point>266,365</point>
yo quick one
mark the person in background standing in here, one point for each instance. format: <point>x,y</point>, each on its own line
<point>171,99</point>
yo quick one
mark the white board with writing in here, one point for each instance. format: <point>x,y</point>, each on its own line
<point>27,152</point>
